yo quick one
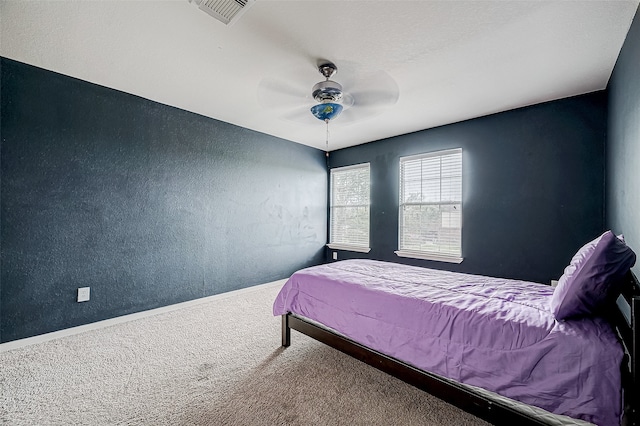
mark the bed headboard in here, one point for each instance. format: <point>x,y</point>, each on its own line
<point>627,323</point>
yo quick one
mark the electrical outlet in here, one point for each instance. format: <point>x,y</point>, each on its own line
<point>335,255</point>
<point>84,294</point>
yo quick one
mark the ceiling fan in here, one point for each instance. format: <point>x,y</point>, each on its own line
<point>328,94</point>
<point>362,94</point>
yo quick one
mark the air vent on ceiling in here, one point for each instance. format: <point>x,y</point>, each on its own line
<point>225,11</point>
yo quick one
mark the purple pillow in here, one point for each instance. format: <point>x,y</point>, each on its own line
<point>592,276</point>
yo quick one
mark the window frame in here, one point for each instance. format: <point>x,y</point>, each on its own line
<point>426,255</point>
<point>343,245</point>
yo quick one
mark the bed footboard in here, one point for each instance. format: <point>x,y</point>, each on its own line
<point>635,364</point>
<point>627,323</point>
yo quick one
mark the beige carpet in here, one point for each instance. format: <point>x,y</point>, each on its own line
<point>216,363</point>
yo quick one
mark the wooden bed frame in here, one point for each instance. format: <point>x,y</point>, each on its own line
<point>625,319</point>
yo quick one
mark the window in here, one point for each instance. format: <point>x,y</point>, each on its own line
<point>430,216</point>
<point>349,204</point>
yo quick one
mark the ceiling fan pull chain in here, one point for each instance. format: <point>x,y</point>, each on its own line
<point>327,151</point>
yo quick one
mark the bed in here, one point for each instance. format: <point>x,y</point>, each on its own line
<point>493,347</point>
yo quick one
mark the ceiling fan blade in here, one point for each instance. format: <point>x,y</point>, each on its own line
<point>300,116</point>
<point>368,92</point>
<point>359,113</point>
<point>274,93</point>
<point>376,98</point>
<point>352,115</point>
<point>372,87</point>
<point>347,100</point>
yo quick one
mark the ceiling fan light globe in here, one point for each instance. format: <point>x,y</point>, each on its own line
<point>326,111</point>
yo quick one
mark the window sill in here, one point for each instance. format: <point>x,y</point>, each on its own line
<point>427,256</point>
<point>347,247</point>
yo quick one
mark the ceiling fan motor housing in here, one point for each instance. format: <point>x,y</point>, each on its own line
<point>327,91</point>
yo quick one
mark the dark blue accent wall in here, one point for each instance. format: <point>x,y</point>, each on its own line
<point>146,204</point>
<point>623,142</point>
<point>533,187</point>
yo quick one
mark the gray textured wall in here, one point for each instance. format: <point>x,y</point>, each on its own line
<point>533,187</point>
<point>623,143</point>
<point>147,204</point>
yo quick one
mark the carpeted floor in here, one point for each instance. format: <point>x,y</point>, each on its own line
<point>215,363</point>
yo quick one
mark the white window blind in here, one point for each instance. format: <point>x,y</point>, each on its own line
<point>349,205</point>
<point>430,216</point>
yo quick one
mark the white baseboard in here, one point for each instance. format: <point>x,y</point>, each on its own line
<point>15,344</point>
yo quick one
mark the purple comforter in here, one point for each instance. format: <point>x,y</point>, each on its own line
<point>497,334</point>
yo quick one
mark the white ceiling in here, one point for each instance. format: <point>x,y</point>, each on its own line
<point>448,60</point>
